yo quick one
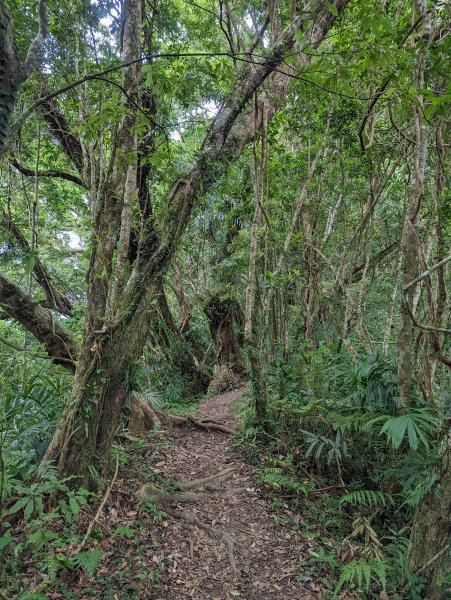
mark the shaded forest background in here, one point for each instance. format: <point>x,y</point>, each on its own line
<point>195,195</point>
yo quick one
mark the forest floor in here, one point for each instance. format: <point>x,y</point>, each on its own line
<point>155,552</point>
<point>198,566</point>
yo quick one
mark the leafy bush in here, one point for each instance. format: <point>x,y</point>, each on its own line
<point>337,417</point>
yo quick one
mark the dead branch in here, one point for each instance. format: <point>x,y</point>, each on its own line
<point>100,509</point>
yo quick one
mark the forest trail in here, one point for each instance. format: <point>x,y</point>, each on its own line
<point>199,567</point>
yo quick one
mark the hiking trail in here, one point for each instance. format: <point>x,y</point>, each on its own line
<point>200,567</point>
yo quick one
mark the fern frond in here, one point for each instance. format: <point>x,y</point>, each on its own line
<point>361,571</point>
<point>88,561</point>
<point>275,479</point>
<point>367,497</point>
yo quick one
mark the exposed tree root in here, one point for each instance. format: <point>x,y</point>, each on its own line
<point>203,423</point>
<point>217,534</point>
<point>150,493</point>
<point>207,482</point>
<point>142,416</point>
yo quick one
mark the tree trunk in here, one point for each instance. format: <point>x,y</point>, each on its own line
<point>84,435</point>
<point>115,334</point>
<point>410,236</point>
<point>430,538</point>
<point>229,362</point>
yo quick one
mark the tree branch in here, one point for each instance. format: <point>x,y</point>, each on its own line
<point>381,89</point>
<point>415,282</point>
<point>55,298</point>
<point>48,173</point>
<point>374,260</point>
<point>60,128</point>
<point>12,73</point>
<point>33,51</point>
<point>39,321</point>
<point>233,127</point>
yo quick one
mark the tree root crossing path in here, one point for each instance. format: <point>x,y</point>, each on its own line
<point>218,539</point>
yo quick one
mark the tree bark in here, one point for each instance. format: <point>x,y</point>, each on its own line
<point>430,534</point>
<point>229,362</point>
<point>114,340</point>
<point>39,321</point>
<point>85,432</point>
<point>410,241</point>
<point>12,72</point>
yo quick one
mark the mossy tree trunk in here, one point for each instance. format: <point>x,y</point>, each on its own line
<point>117,318</point>
<point>430,551</point>
<point>220,313</point>
<point>85,432</point>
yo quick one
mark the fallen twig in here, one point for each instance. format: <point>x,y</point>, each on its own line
<point>100,509</point>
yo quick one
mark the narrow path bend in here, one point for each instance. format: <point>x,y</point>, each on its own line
<point>198,567</point>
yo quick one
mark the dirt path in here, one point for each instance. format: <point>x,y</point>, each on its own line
<point>198,567</point>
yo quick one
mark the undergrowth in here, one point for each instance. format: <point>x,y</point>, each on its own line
<point>347,466</point>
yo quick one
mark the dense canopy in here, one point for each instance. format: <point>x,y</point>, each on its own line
<point>197,197</point>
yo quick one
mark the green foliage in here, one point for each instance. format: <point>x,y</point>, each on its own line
<point>335,448</point>
<point>27,421</point>
<point>418,424</point>
<point>123,531</point>
<point>274,478</point>
<point>334,415</point>
<point>155,511</point>
<point>361,571</point>
<point>332,421</point>
<point>88,560</point>
<point>48,508</point>
<point>367,498</point>
<point>368,384</point>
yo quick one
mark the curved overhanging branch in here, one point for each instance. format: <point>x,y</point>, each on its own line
<point>40,322</point>
<point>415,282</point>
<point>232,129</point>
<point>47,173</point>
<point>323,14</point>
<point>55,299</point>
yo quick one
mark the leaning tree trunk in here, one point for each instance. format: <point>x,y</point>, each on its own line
<point>90,420</point>
<point>116,327</point>
<point>430,538</point>
<point>230,366</point>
